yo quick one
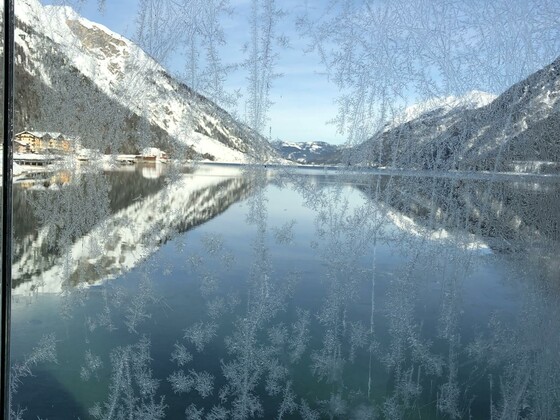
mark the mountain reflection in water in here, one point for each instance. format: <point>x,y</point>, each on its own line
<point>314,294</point>
<point>100,225</point>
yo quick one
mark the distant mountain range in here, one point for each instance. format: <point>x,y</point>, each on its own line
<point>79,78</point>
<point>518,130</point>
<point>316,152</point>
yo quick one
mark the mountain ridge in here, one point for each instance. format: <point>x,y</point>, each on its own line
<point>521,124</point>
<point>306,152</point>
<point>78,77</point>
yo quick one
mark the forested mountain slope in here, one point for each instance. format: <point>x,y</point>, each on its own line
<point>79,78</point>
<point>520,125</point>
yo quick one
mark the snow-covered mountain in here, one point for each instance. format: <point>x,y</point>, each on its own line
<point>78,77</point>
<point>473,132</point>
<point>433,108</point>
<point>397,144</point>
<point>306,152</point>
<point>471,100</point>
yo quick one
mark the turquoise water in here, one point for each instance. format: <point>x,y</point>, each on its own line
<point>312,294</point>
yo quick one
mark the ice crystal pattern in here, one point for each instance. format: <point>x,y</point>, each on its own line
<point>360,306</point>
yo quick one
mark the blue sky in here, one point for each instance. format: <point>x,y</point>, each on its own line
<point>303,97</point>
<point>495,47</point>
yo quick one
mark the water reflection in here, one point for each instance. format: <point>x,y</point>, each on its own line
<point>313,295</point>
<point>98,225</point>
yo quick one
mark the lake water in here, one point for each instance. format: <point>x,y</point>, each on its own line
<point>219,292</point>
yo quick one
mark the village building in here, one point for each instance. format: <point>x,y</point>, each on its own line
<point>152,154</point>
<point>21,147</point>
<point>41,142</point>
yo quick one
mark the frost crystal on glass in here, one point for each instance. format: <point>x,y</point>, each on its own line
<point>170,260</point>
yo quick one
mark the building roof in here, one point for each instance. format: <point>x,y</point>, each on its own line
<point>152,151</point>
<point>42,134</point>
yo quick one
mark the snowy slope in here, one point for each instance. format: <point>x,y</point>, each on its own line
<point>401,142</point>
<point>471,100</point>
<point>474,132</point>
<point>54,43</point>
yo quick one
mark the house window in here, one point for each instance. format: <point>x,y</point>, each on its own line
<point>343,209</point>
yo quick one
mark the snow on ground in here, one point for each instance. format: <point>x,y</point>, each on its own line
<point>204,144</point>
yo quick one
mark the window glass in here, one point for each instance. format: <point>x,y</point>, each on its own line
<point>260,209</point>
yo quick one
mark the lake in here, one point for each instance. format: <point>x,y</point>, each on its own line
<point>218,292</point>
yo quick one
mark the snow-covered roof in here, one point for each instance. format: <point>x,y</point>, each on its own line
<point>42,134</point>
<point>152,151</point>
